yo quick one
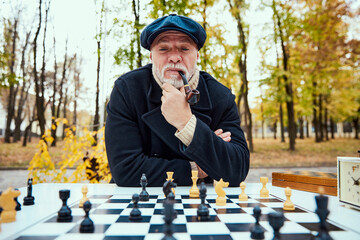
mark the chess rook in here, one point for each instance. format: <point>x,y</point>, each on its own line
<point>64,214</point>
<point>194,190</point>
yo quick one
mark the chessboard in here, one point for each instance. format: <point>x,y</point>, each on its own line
<point>111,207</point>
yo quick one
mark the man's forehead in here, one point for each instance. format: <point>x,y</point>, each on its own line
<point>168,35</point>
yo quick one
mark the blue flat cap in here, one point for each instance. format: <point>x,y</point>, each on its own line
<point>175,23</point>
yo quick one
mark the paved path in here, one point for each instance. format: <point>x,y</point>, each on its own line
<point>18,178</point>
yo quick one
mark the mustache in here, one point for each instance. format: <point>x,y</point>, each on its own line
<point>172,66</point>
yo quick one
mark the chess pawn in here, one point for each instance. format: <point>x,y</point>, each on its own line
<point>84,191</point>
<point>87,225</point>
<point>194,191</point>
<point>288,205</point>
<point>221,199</point>
<point>264,192</point>
<point>257,232</point>
<point>242,195</point>
<point>8,205</point>
<point>170,177</point>
<point>322,212</point>
<point>135,214</point>
<point>203,211</point>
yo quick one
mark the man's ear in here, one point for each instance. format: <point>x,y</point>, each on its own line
<point>151,56</point>
<point>197,55</point>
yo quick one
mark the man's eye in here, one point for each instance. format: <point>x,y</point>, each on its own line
<point>162,49</point>
<point>184,49</point>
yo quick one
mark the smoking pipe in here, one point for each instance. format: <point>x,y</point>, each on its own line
<point>192,95</point>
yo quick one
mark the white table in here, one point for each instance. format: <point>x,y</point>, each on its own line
<point>47,203</point>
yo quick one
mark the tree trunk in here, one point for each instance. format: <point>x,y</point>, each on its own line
<point>96,117</point>
<point>136,11</point>
<point>321,125</point>
<point>53,105</point>
<point>301,127</point>
<point>356,127</point>
<point>262,121</point>
<point>282,129</point>
<point>307,128</point>
<point>275,129</point>
<point>64,113</point>
<point>12,95</point>
<point>242,63</point>
<point>326,124</point>
<point>332,128</point>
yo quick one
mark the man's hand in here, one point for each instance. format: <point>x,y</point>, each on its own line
<point>174,107</point>
<point>226,136</point>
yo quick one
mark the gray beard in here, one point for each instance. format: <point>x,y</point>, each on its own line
<point>173,80</point>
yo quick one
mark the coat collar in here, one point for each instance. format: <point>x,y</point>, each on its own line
<point>156,121</point>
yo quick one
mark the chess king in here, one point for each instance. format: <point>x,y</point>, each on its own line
<point>153,124</point>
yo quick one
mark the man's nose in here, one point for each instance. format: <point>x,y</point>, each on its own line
<point>175,57</point>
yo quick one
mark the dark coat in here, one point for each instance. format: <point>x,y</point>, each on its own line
<point>139,139</point>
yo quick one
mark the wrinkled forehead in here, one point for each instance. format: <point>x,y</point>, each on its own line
<point>172,35</point>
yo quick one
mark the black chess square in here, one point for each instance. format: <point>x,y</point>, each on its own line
<point>229,210</point>
<point>241,227</point>
<point>316,226</point>
<point>214,200</point>
<point>162,201</point>
<point>212,237</point>
<point>144,219</point>
<point>36,238</point>
<point>107,211</point>
<point>212,218</point>
<point>160,211</point>
<point>159,228</point>
<point>193,205</point>
<point>142,205</point>
<point>251,205</point>
<point>98,228</point>
<point>124,238</point>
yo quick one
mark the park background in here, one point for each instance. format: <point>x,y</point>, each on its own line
<point>292,65</point>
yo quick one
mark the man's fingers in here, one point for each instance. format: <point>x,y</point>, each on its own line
<point>218,132</point>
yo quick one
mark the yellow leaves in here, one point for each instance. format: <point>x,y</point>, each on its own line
<point>79,152</point>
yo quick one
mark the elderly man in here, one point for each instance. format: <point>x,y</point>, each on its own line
<point>152,129</point>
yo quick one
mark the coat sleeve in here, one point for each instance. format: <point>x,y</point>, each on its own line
<point>220,159</point>
<point>124,146</point>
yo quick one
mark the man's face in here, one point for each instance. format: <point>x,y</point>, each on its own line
<point>171,52</point>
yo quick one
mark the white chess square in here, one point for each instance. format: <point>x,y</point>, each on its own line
<point>82,236</point>
<point>51,229</point>
<point>104,218</point>
<point>113,206</point>
<point>207,227</point>
<point>136,229</point>
<point>302,217</point>
<point>236,218</point>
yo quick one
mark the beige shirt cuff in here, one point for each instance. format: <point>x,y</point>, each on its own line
<point>187,133</point>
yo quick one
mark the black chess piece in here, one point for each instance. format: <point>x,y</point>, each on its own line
<point>257,232</point>
<point>87,225</point>
<point>168,219</point>
<point>18,205</point>
<point>135,214</point>
<point>322,212</point>
<point>167,187</point>
<point>29,199</point>
<point>203,211</point>
<point>64,214</point>
<point>171,199</point>
<point>144,195</point>
<point>276,221</point>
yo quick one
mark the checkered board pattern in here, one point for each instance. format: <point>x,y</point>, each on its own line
<point>110,214</point>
